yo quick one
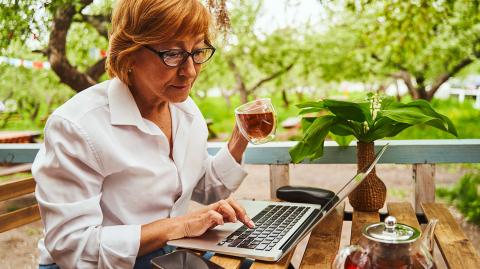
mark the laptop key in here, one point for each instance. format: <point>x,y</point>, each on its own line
<point>235,243</point>
<point>272,224</point>
<point>261,246</point>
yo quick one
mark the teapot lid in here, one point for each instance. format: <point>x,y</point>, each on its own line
<point>391,232</point>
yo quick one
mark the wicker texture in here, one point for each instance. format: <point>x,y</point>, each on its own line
<point>370,195</point>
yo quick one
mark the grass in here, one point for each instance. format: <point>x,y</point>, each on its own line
<point>463,115</point>
<point>223,116</point>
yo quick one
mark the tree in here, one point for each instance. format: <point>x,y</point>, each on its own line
<point>424,42</point>
<point>22,19</point>
<point>252,58</point>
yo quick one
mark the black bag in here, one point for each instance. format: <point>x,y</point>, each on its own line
<point>182,259</point>
<point>310,195</point>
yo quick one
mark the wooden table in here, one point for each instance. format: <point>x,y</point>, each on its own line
<point>323,244</point>
<point>18,136</point>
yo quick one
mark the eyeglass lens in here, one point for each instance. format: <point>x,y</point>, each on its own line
<point>177,57</point>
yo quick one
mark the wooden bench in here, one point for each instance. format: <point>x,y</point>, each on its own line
<point>421,154</point>
<point>18,136</point>
<point>324,242</point>
<point>22,216</point>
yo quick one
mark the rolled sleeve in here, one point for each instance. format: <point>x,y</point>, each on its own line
<point>228,170</point>
<point>69,190</point>
<point>222,176</point>
<point>117,248</point>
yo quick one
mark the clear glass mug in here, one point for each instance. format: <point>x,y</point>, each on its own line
<point>256,120</point>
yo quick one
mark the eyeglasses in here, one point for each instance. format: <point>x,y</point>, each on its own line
<point>177,57</point>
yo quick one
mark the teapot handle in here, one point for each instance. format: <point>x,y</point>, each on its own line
<point>353,256</point>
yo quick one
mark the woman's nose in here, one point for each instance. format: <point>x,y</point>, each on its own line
<point>188,69</point>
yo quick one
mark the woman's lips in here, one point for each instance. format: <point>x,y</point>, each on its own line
<point>180,87</point>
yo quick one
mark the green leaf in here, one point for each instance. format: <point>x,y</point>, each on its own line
<point>320,124</point>
<point>299,152</point>
<point>442,122</point>
<point>311,145</point>
<point>365,107</point>
<point>410,115</point>
<point>418,112</point>
<point>343,140</point>
<point>309,110</point>
<point>307,122</point>
<point>384,127</point>
<point>346,110</point>
<point>317,104</point>
<point>342,128</point>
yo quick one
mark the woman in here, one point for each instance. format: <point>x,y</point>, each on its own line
<point>123,158</point>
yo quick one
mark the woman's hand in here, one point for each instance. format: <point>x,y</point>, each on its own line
<point>156,234</point>
<point>229,210</point>
<point>237,144</point>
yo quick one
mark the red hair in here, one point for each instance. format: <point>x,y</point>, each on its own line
<point>136,23</point>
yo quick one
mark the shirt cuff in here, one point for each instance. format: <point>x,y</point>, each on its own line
<point>228,170</point>
<point>120,245</point>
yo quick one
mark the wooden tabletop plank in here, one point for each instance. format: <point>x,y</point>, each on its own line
<point>404,213</point>
<point>359,220</point>
<point>281,264</point>
<point>324,241</point>
<point>456,248</point>
<point>226,261</point>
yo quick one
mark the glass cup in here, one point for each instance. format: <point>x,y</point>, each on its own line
<point>256,120</point>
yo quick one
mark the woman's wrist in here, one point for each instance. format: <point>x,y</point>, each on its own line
<point>156,234</point>
<point>237,145</point>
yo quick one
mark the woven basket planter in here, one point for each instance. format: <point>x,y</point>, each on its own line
<point>371,194</point>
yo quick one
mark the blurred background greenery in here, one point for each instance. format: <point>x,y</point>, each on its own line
<point>413,49</point>
<point>410,49</point>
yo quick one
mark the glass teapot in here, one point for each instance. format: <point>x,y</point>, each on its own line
<point>389,245</point>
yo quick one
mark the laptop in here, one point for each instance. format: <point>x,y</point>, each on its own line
<point>279,226</point>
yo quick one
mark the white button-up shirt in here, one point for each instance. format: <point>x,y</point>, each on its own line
<point>104,171</point>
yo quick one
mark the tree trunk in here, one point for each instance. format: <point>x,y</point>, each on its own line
<point>399,97</point>
<point>286,103</point>
<point>421,89</point>
<point>371,194</point>
<point>243,94</point>
<point>57,55</point>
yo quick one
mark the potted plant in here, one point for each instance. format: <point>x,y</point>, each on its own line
<point>369,120</point>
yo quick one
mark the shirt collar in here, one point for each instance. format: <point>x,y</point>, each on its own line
<point>124,110</point>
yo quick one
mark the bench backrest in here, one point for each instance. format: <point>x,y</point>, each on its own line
<point>22,216</point>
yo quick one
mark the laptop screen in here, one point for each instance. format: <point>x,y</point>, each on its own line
<point>351,185</point>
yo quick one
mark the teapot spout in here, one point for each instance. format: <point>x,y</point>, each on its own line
<point>427,238</point>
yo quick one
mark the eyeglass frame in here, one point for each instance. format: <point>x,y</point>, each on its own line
<point>161,54</point>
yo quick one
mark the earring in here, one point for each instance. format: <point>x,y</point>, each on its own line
<point>129,70</point>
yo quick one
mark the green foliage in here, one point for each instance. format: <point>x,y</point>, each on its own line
<point>81,38</point>
<point>36,92</point>
<point>465,195</point>
<point>17,20</point>
<point>367,121</point>
<point>248,57</point>
<point>463,115</point>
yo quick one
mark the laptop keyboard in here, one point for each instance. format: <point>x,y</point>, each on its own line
<point>271,225</point>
